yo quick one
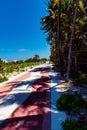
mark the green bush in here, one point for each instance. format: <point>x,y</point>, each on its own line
<point>3,79</point>
<point>79,78</point>
<point>71,102</point>
<point>72,125</point>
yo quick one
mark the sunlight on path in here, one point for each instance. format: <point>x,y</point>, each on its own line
<point>57,117</point>
<point>17,96</point>
<point>32,89</point>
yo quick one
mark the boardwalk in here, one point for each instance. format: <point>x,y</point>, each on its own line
<point>28,102</point>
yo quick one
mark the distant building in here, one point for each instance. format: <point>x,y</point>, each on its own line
<point>4,60</point>
<point>15,61</point>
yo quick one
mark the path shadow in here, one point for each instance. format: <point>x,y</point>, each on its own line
<point>41,69</point>
<point>13,86</point>
<point>30,114</point>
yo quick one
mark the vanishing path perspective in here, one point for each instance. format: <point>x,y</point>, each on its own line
<point>28,102</point>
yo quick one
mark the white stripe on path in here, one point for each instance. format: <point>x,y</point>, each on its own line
<point>16,97</point>
<point>57,117</point>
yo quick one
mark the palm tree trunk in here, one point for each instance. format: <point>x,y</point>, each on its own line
<point>76,59</point>
<point>58,34</point>
<point>71,40</point>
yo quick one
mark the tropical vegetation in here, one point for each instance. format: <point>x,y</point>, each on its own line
<point>72,125</point>
<point>73,105</point>
<point>3,79</point>
<point>66,30</point>
<point>71,102</point>
<point>14,67</point>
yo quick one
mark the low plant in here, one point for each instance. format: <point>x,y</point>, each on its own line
<point>71,102</point>
<point>73,125</point>
<point>79,78</point>
<point>3,79</point>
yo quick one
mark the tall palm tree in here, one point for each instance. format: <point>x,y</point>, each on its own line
<point>36,57</point>
<point>71,41</point>
<point>51,24</point>
<point>58,34</point>
<point>60,45</point>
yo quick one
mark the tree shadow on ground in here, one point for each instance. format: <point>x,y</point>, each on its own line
<point>29,115</point>
<point>41,69</point>
<point>14,86</point>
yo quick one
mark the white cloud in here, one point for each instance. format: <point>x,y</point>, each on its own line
<point>22,50</point>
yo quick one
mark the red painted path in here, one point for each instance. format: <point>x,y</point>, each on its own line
<point>7,87</point>
<point>34,113</point>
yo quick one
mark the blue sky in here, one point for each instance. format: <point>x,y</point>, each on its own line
<point>20,34</point>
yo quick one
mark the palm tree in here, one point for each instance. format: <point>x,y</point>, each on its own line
<point>70,32</point>
<point>58,34</point>
<point>36,57</point>
<point>71,41</point>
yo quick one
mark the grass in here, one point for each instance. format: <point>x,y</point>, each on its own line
<point>13,67</point>
<point>3,79</point>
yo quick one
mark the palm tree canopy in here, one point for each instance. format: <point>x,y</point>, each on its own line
<point>81,7</point>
